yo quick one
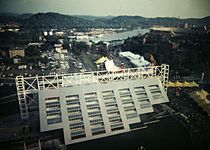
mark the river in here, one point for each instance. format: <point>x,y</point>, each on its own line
<point>119,36</point>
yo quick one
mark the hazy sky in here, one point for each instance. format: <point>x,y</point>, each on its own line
<point>147,8</point>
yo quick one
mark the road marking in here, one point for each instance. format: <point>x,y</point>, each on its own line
<point>159,117</point>
<point>152,122</point>
<point>144,127</point>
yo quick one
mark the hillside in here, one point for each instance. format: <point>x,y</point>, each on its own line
<point>126,21</point>
<point>133,21</point>
<point>53,20</point>
<point>58,20</point>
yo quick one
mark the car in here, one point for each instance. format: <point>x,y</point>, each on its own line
<point>82,70</point>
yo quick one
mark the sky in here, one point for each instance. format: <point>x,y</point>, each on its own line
<point>146,8</point>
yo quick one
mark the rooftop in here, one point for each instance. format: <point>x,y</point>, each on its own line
<point>86,112</point>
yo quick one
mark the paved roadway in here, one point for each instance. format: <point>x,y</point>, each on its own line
<point>7,81</point>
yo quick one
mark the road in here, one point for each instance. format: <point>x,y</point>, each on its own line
<point>86,65</point>
<point>7,81</point>
<point>3,68</point>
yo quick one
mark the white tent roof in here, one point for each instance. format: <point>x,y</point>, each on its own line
<point>109,65</point>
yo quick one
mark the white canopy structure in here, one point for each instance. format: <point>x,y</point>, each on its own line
<point>109,65</point>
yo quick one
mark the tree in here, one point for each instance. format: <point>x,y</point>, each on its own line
<point>102,48</point>
<point>7,60</point>
<point>33,51</point>
<point>79,47</point>
<point>44,60</point>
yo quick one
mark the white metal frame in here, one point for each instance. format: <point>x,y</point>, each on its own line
<point>28,87</point>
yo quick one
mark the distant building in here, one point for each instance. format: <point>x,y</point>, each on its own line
<point>16,52</point>
<point>35,44</point>
<point>116,42</point>
<point>163,29</point>
<point>186,26</point>
<point>51,33</point>
<point>81,37</point>
<point>61,33</point>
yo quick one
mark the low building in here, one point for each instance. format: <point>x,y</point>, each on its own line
<point>116,42</point>
<point>16,52</point>
<point>61,33</point>
<point>16,60</point>
<point>135,59</point>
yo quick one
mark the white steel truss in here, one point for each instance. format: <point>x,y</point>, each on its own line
<point>28,87</point>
